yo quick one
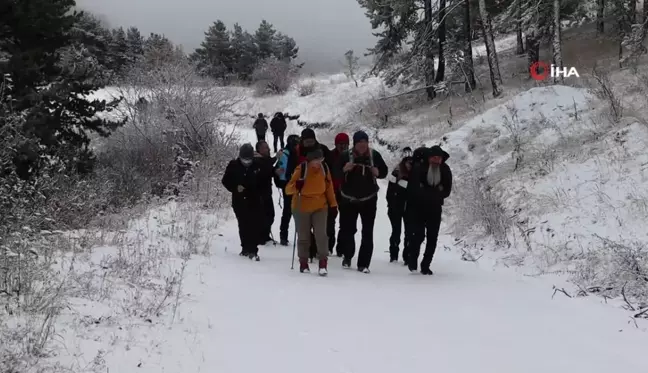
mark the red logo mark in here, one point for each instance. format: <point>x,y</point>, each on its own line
<point>539,70</point>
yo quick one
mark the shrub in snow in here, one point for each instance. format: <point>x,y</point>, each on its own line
<point>306,88</point>
<point>274,76</point>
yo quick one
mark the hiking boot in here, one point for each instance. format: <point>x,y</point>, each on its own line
<point>303,266</point>
<point>426,271</point>
<point>364,270</point>
<point>323,264</point>
<point>393,260</point>
<point>254,257</point>
<point>243,253</point>
<point>346,263</point>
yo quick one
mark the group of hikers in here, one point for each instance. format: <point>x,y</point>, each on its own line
<point>319,184</point>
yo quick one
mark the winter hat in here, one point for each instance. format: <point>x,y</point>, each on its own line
<point>436,151</point>
<point>341,138</point>
<point>308,133</point>
<point>246,151</point>
<point>260,115</point>
<point>420,154</point>
<point>316,153</point>
<point>360,136</point>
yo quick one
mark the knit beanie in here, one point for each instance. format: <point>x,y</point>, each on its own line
<point>360,136</point>
<point>341,138</point>
<point>246,151</point>
<point>308,133</point>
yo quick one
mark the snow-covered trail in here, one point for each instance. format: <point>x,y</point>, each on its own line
<point>261,316</point>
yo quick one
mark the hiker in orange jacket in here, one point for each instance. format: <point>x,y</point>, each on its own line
<point>313,194</point>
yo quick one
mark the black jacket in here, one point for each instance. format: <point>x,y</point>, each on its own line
<point>260,125</point>
<point>278,125</point>
<point>266,164</point>
<point>420,194</point>
<point>250,178</point>
<point>359,184</point>
<point>396,191</point>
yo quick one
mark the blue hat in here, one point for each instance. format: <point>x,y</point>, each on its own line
<point>360,136</point>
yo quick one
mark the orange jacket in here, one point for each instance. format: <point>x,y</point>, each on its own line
<point>317,193</point>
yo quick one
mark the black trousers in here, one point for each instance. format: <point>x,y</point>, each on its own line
<point>330,230</point>
<point>280,137</point>
<point>261,136</point>
<point>248,227</point>
<point>268,216</point>
<point>424,225</point>
<point>286,215</point>
<point>349,213</point>
<point>396,216</point>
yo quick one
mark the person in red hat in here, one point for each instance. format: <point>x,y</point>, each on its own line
<point>341,147</point>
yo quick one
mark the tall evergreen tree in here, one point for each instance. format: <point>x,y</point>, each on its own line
<point>285,47</point>
<point>48,93</point>
<point>243,51</point>
<point>135,44</point>
<point>214,57</point>
<point>118,50</point>
<point>158,50</point>
<point>264,38</point>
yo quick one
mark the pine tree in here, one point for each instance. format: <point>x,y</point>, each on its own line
<point>264,38</point>
<point>118,51</point>
<point>491,51</point>
<point>442,39</point>
<point>518,27</point>
<point>158,50</point>
<point>285,47</point>
<point>244,52</point>
<point>88,32</point>
<point>214,57</point>
<point>49,93</point>
<point>469,69</point>
<point>135,44</point>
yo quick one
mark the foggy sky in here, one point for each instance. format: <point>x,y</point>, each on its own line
<point>323,29</point>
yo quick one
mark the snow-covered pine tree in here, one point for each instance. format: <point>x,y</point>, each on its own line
<point>214,56</point>
<point>557,40</point>
<point>90,33</point>
<point>47,92</point>
<point>135,44</point>
<point>158,50</point>
<point>244,52</point>
<point>285,47</point>
<point>351,66</point>
<point>264,38</point>
<point>491,51</point>
<point>118,51</point>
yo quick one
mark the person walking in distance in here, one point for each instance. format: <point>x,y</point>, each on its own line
<point>341,148</point>
<point>313,197</point>
<point>266,163</point>
<point>359,197</point>
<point>260,127</point>
<point>396,201</point>
<point>242,178</point>
<point>281,180</point>
<point>429,185</point>
<point>278,127</point>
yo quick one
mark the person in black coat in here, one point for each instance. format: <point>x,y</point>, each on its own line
<point>267,165</point>
<point>396,202</point>
<point>260,127</point>
<point>278,127</point>
<point>429,185</point>
<point>243,179</point>
<point>359,197</point>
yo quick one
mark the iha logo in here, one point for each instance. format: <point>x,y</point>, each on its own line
<point>541,70</point>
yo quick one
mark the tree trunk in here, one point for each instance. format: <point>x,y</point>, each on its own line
<point>518,27</point>
<point>491,51</point>
<point>557,42</point>
<point>440,74</point>
<point>532,48</point>
<point>468,51</point>
<point>632,9</point>
<point>429,53</point>
<point>600,13</point>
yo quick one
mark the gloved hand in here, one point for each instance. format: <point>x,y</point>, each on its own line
<point>299,184</point>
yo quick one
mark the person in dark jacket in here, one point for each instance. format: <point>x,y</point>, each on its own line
<point>278,127</point>
<point>260,127</point>
<point>267,165</point>
<point>242,178</point>
<point>429,185</point>
<point>396,201</point>
<point>307,144</point>
<point>341,148</point>
<point>281,181</point>
<point>359,197</point>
